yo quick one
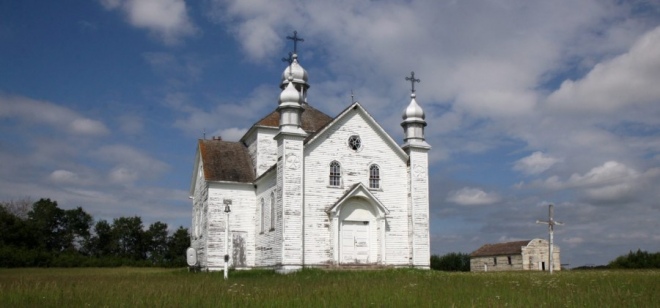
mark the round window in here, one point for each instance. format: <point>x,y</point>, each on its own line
<point>354,142</point>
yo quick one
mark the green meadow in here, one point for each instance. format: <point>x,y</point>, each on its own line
<point>154,287</point>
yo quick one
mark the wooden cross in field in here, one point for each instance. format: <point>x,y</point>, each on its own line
<point>551,227</point>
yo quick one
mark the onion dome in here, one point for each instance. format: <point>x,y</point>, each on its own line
<point>289,96</point>
<point>413,112</point>
<point>296,71</point>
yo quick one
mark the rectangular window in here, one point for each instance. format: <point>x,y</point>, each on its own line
<point>509,259</point>
<point>263,215</point>
<point>374,177</point>
<point>494,260</point>
<point>272,211</point>
<point>335,174</point>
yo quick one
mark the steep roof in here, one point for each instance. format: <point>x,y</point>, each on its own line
<point>358,108</point>
<point>226,161</point>
<point>312,119</point>
<point>509,248</point>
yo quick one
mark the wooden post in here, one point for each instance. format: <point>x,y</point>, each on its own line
<point>551,227</point>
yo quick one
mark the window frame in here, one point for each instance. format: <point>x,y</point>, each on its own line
<point>374,179</point>
<point>354,143</point>
<point>263,216</point>
<point>272,211</point>
<point>334,174</point>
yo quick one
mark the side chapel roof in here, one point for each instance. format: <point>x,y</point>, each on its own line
<point>226,161</point>
<point>509,248</point>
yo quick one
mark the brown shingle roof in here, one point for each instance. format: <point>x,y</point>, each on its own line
<point>510,248</point>
<point>312,119</point>
<point>226,161</point>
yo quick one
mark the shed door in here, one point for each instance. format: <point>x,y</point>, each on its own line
<point>355,242</point>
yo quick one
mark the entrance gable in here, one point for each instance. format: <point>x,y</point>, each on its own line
<point>360,191</point>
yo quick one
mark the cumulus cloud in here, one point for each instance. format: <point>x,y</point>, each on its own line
<point>167,20</point>
<point>610,182</point>
<point>64,177</point>
<point>47,113</point>
<point>573,241</point>
<point>472,196</point>
<point>130,163</point>
<point>535,163</point>
<point>624,81</point>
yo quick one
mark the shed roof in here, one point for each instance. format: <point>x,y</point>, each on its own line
<point>509,248</point>
<point>226,161</point>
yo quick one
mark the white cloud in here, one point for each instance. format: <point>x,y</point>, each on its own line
<point>123,175</point>
<point>472,196</point>
<point>42,112</point>
<point>166,19</point>
<point>573,241</point>
<point>64,177</point>
<point>609,172</point>
<point>608,183</point>
<point>231,134</point>
<point>627,80</point>
<point>130,163</point>
<point>535,163</point>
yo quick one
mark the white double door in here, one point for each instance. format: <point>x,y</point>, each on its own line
<point>355,242</point>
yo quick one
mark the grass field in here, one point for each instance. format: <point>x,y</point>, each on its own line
<point>130,287</point>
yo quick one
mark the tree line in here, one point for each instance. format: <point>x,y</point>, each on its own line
<point>460,262</point>
<point>41,234</point>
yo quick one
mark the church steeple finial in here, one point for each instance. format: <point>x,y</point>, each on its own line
<point>294,69</point>
<point>288,59</point>
<point>295,40</point>
<point>414,118</point>
<point>412,80</point>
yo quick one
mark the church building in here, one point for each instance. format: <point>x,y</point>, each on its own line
<point>303,189</point>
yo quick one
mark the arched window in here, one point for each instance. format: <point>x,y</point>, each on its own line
<point>335,173</point>
<point>263,215</point>
<point>272,211</point>
<point>374,176</point>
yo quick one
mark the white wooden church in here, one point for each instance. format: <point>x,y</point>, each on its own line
<point>303,189</point>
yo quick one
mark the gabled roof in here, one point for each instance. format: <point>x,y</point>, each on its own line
<point>509,248</point>
<point>358,108</point>
<point>359,190</point>
<point>226,161</point>
<point>312,119</point>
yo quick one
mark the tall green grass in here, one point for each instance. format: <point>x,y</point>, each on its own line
<point>130,287</point>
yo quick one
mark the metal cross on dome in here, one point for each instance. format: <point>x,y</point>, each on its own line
<point>412,80</point>
<point>289,59</point>
<point>295,40</point>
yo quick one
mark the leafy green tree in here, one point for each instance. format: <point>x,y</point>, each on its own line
<point>128,233</point>
<point>156,237</point>
<point>177,244</point>
<point>453,262</point>
<point>48,222</point>
<point>638,259</point>
<point>15,231</point>
<point>102,243</point>
<point>76,233</point>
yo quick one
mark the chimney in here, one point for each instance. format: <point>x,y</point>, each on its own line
<point>217,137</point>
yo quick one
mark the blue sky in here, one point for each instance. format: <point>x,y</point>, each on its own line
<point>527,102</point>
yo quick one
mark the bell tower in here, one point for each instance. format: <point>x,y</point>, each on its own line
<point>418,204</point>
<point>290,162</point>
